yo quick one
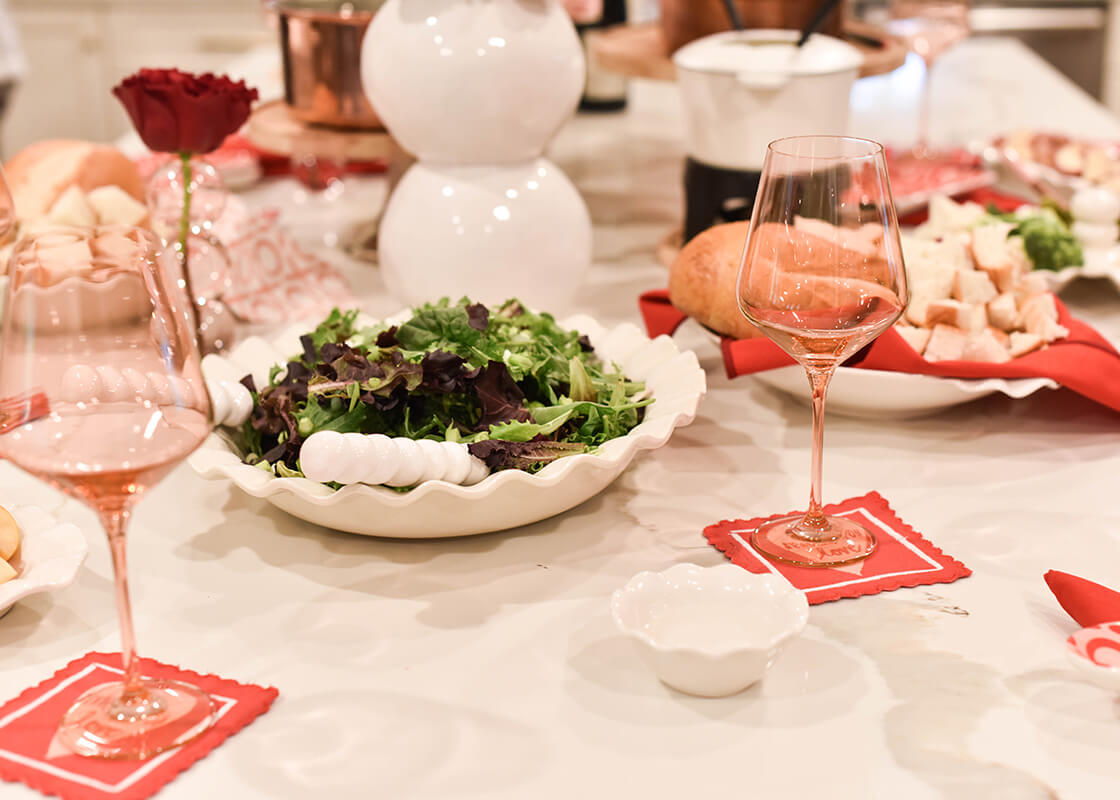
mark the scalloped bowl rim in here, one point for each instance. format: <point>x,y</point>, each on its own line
<point>721,574</point>
<point>215,459</point>
<point>68,547</point>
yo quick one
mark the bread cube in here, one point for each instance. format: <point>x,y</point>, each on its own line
<point>1030,283</point>
<point>991,253</point>
<point>1017,251</point>
<point>973,287</point>
<point>966,316</point>
<point>946,343</point>
<point>985,346</point>
<point>1038,314</point>
<point>1038,304</point>
<point>72,210</point>
<point>1000,336</point>
<point>917,338</point>
<point>945,214</point>
<point>1003,312</point>
<point>930,265</point>
<point>114,206</point>
<point>1023,343</point>
<point>61,258</point>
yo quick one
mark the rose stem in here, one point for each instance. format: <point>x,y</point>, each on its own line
<point>184,231</point>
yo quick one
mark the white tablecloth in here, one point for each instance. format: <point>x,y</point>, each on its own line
<point>488,667</point>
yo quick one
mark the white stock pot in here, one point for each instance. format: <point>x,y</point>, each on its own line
<point>743,89</point>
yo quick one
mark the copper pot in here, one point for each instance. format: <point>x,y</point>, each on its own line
<point>321,44</point>
<point>685,20</point>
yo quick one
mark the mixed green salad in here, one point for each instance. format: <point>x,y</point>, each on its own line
<point>512,384</point>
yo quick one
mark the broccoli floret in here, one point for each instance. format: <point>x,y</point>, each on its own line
<point>1049,242</point>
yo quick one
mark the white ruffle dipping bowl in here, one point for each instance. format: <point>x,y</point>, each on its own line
<point>709,631</point>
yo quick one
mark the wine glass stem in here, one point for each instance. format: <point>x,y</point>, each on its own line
<point>115,522</point>
<point>921,147</point>
<point>819,378</point>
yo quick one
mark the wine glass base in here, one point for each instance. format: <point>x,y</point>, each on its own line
<point>102,724</point>
<point>846,542</point>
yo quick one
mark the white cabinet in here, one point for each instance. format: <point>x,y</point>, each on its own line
<point>59,96</point>
<point>77,50</point>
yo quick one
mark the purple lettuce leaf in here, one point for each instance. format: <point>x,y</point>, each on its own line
<point>499,454</point>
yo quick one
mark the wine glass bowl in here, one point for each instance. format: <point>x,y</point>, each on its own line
<point>822,276</point>
<point>7,210</point>
<point>929,27</point>
<point>103,389</point>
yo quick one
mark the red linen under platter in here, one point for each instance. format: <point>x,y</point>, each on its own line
<point>1084,361</point>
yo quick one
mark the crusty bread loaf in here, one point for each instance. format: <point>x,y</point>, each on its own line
<point>702,280</point>
<point>797,264</point>
<point>40,173</point>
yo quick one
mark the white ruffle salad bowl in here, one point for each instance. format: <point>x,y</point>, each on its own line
<point>505,499</point>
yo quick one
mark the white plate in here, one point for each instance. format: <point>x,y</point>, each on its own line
<point>49,556</point>
<point>506,499</point>
<point>876,394</point>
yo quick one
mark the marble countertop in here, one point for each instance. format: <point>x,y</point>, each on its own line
<point>488,666</point>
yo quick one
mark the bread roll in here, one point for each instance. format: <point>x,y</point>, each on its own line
<point>40,173</point>
<point>804,259</point>
<point>702,280</point>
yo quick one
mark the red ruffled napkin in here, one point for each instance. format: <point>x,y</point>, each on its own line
<point>1087,602</point>
<point>902,558</point>
<point>1084,361</point>
<point>29,752</point>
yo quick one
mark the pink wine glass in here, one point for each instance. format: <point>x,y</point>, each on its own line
<point>7,212</point>
<point>929,28</point>
<point>821,276</point>
<point>103,395</point>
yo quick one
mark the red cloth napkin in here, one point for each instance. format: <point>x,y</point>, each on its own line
<point>30,754</point>
<point>902,557</point>
<point>1084,362</point>
<point>272,164</point>
<point>1087,602</point>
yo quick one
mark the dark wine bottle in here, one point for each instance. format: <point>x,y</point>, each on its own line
<point>603,90</point>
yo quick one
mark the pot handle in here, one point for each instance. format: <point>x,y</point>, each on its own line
<point>766,81</point>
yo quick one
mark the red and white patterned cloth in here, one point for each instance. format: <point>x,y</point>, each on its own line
<point>273,279</point>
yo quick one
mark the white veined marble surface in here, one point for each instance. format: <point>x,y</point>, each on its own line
<point>488,667</point>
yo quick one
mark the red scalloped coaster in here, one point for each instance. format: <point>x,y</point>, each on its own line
<point>29,753</point>
<point>902,559</point>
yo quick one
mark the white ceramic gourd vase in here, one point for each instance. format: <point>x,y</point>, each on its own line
<point>476,89</point>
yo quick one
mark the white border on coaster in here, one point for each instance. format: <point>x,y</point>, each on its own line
<point>934,566</point>
<point>73,777</point>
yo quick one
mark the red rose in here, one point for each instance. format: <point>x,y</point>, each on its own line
<point>177,112</point>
